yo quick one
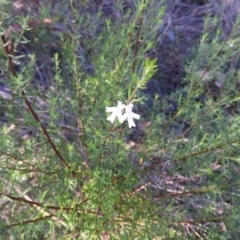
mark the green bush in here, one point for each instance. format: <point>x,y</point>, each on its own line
<point>68,173</point>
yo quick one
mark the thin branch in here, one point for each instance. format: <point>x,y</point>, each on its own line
<point>208,67</point>
<point>29,201</point>
<point>34,114</point>
<point>29,221</point>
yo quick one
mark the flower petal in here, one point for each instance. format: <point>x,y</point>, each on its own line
<point>129,115</point>
<point>111,118</point>
<point>131,123</point>
<point>116,112</point>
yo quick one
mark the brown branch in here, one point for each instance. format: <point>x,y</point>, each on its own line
<point>34,114</point>
<point>33,203</point>
<point>212,220</point>
<point>29,221</point>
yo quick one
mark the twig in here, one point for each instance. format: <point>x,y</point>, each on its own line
<point>34,114</point>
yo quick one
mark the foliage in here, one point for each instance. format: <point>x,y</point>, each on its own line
<point>68,173</point>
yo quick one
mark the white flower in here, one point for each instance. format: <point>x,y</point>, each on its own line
<point>116,112</point>
<point>129,115</point>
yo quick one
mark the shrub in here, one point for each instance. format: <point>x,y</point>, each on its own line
<point>69,173</point>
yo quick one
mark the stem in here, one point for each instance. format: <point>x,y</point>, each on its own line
<point>29,221</point>
<point>80,121</point>
<point>196,86</point>
<point>33,113</point>
<point>138,39</point>
<point>103,145</point>
<point>33,203</point>
<point>207,150</point>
